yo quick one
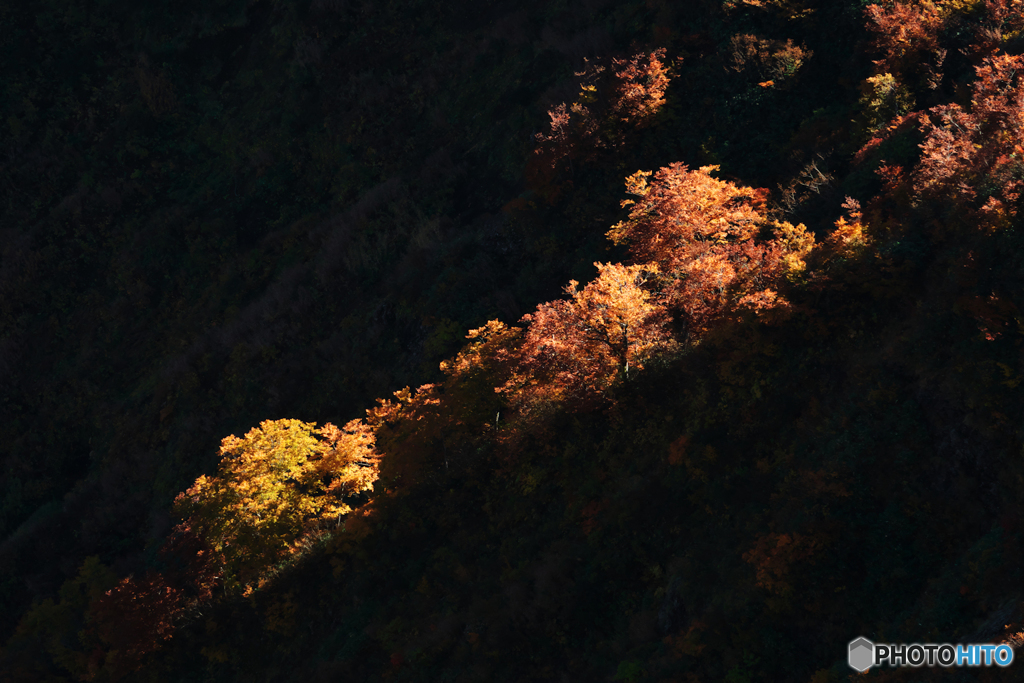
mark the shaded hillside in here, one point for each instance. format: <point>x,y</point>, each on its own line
<point>785,412</point>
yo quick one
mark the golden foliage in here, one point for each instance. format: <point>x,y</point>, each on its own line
<point>281,482</point>
<point>883,99</point>
<point>797,243</point>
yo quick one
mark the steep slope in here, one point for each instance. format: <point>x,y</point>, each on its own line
<point>799,435</point>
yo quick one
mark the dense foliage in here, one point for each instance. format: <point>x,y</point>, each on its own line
<point>784,412</point>
<point>275,487</point>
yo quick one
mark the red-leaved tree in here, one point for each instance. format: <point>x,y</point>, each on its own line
<point>906,36</point>
<point>973,159</point>
<point>137,616</point>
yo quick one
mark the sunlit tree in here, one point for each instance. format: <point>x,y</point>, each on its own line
<point>576,347</point>
<point>710,242</point>
<point>282,482</point>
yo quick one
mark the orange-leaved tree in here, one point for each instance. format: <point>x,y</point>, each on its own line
<point>909,35</point>
<point>280,484</point>
<point>575,348</point>
<point>489,358</point>
<point>711,243</point>
<point>439,424</point>
<point>612,100</point>
<point>409,427</point>
<point>638,86</point>
<point>682,209</point>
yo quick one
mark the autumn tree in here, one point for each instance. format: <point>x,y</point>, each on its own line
<point>884,99</point>
<point>489,360</point>
<point>683,208</point>
<point>409,426</point>
<point>140,613</point>
<point>133,619</point>
<point>710,242</point>
<point>615,96</point>
<point>275,487</point>
<point>973,158</point>
<point>490,357</point>
<point>638,86</point>
<point>772,62</point>
<point>906,38</point>
<point>848,243</point>
<point>912,37</point>
<point>1003,19</point>
<point>575,348</point>
<point>569,353</point>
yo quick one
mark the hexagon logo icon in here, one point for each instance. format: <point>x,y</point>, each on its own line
<point>861,654</point>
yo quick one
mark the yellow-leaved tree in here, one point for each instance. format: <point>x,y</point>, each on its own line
<point>281,484</point>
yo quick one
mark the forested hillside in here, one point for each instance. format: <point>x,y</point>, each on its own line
<point>571,341</point>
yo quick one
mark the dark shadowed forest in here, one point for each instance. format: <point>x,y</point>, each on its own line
<point>642,341</point>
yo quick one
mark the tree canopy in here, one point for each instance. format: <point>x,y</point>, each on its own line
<point>275,487</point>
